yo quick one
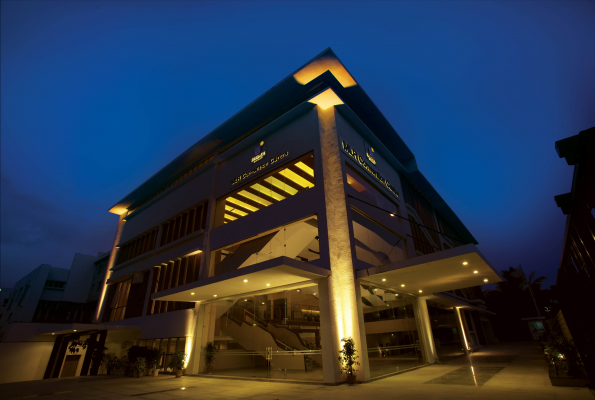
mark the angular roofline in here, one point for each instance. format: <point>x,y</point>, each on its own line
<point>281,98</point>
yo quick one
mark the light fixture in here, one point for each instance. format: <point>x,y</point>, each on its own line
<point>263,303</point>
<point>420,290</point>
<point>214,295</point>
<point>192,293</point>
<point>314,294</point>
<point>268,284</point>
<point>465,263</point>
<point>383,279</point>
<point>475,272</point>
<point>392,214</point>
<point>485,280</point>
<point>245,299</point>
<point>299,290</point>
<point>52,333</point>
<point>245,280</point>
<point>183,388</point>
<point>402,285</point>
<point>75,330</point>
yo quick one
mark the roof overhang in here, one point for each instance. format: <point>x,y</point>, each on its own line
<point>272,275</point>
<point>61,329</point>
<point>433,273</point>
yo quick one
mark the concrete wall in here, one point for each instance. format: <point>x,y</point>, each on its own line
<point>25,361</point>
<point>80,278</point>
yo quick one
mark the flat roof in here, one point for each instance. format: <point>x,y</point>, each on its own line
<point>273,275</point>
<point>442,271</point>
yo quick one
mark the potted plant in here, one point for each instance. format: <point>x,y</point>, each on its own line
<point>152,356</point>
<point>115,366</point>
<point>177,363</point>
<point>210,350</point>
<point>139,366</point>
<point>308,362</point>
<point>347,359</point>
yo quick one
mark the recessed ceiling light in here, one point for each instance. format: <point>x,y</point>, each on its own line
<point>402,285</point>
<point>465,263</point>
<point>268,284</point>
<point>420,290</point>
<point>192,293</point>
<point>245,280</point>
<point>383,279</point>
<point>485,280</point>
<point>299,290</point>
<point>475,272</point>
<point>214,295</point>
<point>75,330</point>
<point>262,303</point>
<point>52,333</point>
<point>392,214</point>
<point>245,299</point>
<point>314,294</point>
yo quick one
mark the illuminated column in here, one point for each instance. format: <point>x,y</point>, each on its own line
<point>341,284</point>
<point>365,364</point>
<point>461,330</point>
<point>112,259</point>
<point>426,339</point>
<point>330,352</point>
<point>194,358</point>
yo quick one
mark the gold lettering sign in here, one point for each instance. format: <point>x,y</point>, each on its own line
<point>362,162</point>
<point>259,168</point>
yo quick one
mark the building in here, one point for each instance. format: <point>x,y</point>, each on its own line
<point>300,221</point>
<point>43,298</point>
<point>575,282</point>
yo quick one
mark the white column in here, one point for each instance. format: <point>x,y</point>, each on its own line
<point>420,307</point>
<point>195,360</point>
<point>461,330</point>
<point>330,352</point>
<point>341,284</point>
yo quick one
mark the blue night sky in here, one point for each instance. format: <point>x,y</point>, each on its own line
<point>98,96</point>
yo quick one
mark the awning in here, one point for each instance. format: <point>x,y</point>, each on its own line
<point>442,271</point>
<point>60,329</point>
<point>277,273</point>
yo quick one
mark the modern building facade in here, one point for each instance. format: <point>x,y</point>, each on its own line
<point>299,222</point>
<point>575,283</point>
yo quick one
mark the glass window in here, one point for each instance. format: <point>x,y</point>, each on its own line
<point>271,188</point>
<point>375,244</point>
<point>368,191</point>
<point>298,241</point>
<point>118,306</point>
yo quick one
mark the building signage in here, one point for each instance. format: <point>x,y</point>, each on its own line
<point>259,152</point>
<point>364,164</point>
<point>260,168</point>
<point>370,153</point>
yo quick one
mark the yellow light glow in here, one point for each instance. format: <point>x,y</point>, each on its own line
<point>268,284</point>
<point>230,217</point>
<point>255,198</point>
<point>485,280</point>
<point>214,295</point>
<point>192,293</point>
<point>305,168</point>
<point>289,174</point>
<point>402,285</point>
<point>462,328</point>
<point>465,263</point>
<point>245,280</point>
<point>271,193</point>
<point>235,210</point>
<point>241,203</point>
<point>326,99</point>
<point>277,183</point>
<point>383,279</point>
<point>475,272</point>
<point>320,66</point>
<point>420,290</point>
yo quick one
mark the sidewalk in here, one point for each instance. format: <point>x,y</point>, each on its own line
<point>508,372</point>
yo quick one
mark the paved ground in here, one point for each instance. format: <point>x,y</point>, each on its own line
<point>502,372</point>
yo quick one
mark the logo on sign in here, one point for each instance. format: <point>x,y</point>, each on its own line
<point>259,152</point>
<point>370,154</point>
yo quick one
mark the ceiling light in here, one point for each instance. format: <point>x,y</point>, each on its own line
<point>52,333</point>
<point>314,294</point>
<point>245,299</point>
<point>75,330</point>
<point>268,284</point>
<point>383,279</point>
<point>299,290</point>
<point>214,295</point>
<point>402,285</point>
<point>392,214</point>
<point>485,280</point>
<point>420,290</point>
<point>192,293</point>
<point>465,263</point>
<point>475,272</point>
<point>262,303</point>
<point>245,280</point>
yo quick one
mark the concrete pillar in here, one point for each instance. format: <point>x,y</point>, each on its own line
<point>110,264</point>
<point>330,352</point>
<point>341,284</point>
<point>426,339</point>
<point>194,358</point>
<point>461,330</point>
<point>364,374</point>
